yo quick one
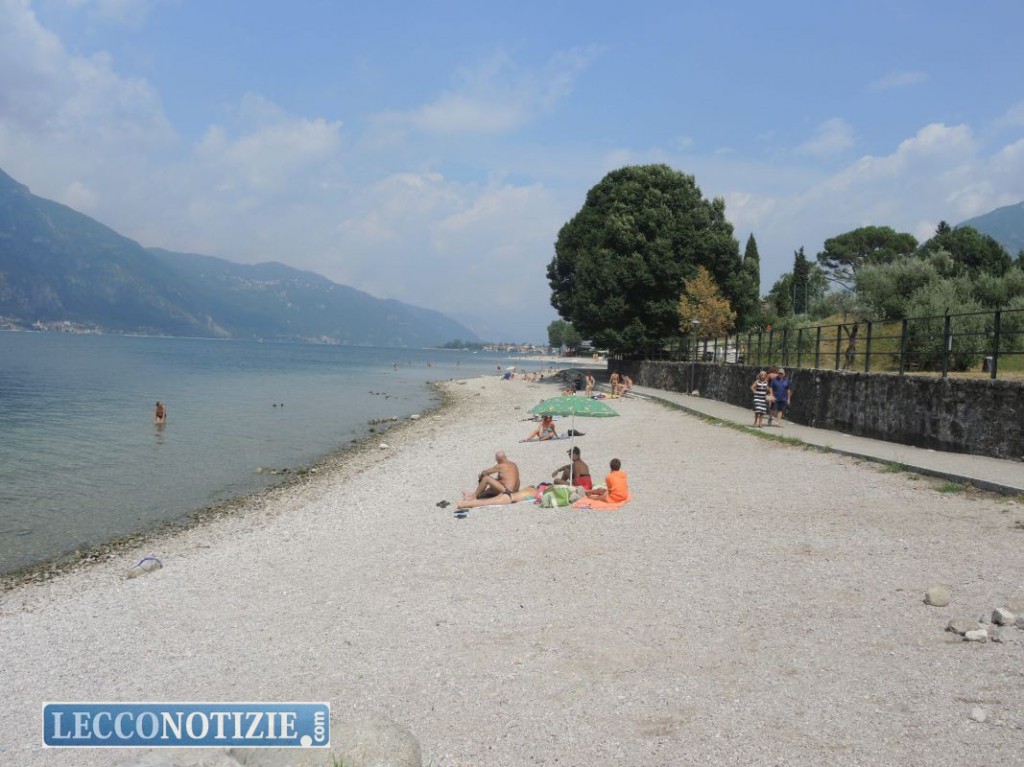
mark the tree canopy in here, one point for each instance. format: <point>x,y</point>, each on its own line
<point>974,251</point>
<point>703,302</point>
<point>562,333</point>
<point>846,253</point>
<point>621,261</point>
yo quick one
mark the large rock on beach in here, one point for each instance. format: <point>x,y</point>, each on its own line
<point>962,625</point>
<point>1003,617</point>
<point>938,596</point>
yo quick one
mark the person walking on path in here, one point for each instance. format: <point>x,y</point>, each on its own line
<point>760,389</point>
<point>782,396</point>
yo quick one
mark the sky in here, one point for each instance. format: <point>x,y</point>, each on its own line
<point>430,152</point>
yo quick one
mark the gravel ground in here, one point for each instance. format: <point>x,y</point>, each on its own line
<point>756,604</point>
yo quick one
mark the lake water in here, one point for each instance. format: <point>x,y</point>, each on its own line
<point>82,463</point>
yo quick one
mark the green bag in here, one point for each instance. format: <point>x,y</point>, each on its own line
<point>556,495</point>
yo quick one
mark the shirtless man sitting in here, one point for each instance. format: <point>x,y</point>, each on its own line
<point>579,471</point>
<point>506,481</point>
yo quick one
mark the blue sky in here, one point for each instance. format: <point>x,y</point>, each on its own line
<point>430,152</point>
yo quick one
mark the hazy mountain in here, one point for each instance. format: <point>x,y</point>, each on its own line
<point>58,265</point>
<point>1004,225</point>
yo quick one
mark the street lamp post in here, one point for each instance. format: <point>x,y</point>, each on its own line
<point>695,324</point>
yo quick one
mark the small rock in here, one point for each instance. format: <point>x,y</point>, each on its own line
<point>978,714</point>
<point>383,445</point>
<point>978,635</point>
<point>962,625</point>
<point>1020,623</point>
<point>938,596</point>
<point>1001,634</point>
<point>414,417</point>
<point>1003,617</point>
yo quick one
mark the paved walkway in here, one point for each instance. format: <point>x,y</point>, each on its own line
<point>997,475</point>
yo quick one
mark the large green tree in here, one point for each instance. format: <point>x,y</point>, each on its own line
<point>562,333</point>
<point>621,262</point>
<point>747,300</point>
<point>977,253</point>
<point>846,253</point>
<point>801,282</point>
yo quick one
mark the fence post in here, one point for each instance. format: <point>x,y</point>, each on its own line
<point>817,349</point>
<point>799,345</point>
<point>760,339</point>
<point>997,327</point>
<point>947,345</point>
<point>867,351</point>
<point>785,347</point>
<point>903,347</point>
<point>839,343</point>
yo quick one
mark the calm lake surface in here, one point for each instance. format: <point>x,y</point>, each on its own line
<point>82,463</point>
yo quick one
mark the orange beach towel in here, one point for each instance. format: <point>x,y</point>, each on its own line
<point>599,505</point>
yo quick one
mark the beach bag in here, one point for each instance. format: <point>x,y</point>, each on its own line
<point>555,496</point>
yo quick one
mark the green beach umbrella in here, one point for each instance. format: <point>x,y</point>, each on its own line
<point>571,405</point>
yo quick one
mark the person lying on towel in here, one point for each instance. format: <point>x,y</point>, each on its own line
<point>615,493</point>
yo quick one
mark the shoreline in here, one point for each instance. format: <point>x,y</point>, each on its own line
<point>303,477</point>
<point>756,603</point>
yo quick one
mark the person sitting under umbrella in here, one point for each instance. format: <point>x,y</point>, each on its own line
<point>546,430</point>
<point>577,471</point>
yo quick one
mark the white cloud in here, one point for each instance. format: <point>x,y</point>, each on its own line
<point>898,79</point>
<point>832,137</point>
<point>63,117</point>
<point>496,96</point>
<point>940,173</point>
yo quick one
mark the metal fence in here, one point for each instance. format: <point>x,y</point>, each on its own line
<point>985,342</point>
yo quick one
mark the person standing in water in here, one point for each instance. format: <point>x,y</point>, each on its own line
<point>160,414</point>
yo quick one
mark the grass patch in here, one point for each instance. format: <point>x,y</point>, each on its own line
<point>892,467</point>
<point>952,487</point>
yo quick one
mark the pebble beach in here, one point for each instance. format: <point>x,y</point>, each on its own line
<point>757,603</point>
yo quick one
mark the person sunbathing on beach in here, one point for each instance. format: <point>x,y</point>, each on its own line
<point>526,494</point>
<point>505,483</point>
<point>616,485</point>
<point>545,431</point>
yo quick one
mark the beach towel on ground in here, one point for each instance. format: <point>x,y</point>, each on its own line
<point>598,505</point>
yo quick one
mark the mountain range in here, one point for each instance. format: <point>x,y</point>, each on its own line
<point>58,267</point>
<point>1004,225</point>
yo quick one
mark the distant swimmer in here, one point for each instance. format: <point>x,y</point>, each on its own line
<point>160,413</point>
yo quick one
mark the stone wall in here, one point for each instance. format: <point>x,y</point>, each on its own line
<point>978,416</point>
